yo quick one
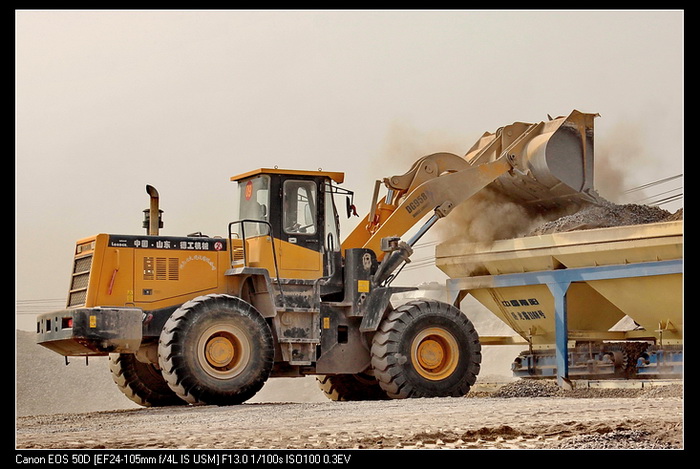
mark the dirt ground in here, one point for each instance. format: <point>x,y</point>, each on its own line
<point>518,415</point>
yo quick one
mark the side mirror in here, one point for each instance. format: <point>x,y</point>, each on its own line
<point>350,208</point>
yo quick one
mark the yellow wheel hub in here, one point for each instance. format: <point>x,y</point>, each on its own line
<point>219,351</point>
<point>223,351</point>
<point>430,354</point>
<point>435,353</point>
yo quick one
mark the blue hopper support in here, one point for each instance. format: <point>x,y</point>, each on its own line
<point>558,282</point>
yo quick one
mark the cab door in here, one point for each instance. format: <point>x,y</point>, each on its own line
<point>301,230</point>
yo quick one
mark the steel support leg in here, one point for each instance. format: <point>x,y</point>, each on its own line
<point>558,291</point>
<point>558,282</point>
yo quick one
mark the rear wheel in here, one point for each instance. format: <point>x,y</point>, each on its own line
<point>143,383</point>
<point>426,349</point>
<point>216,349</point>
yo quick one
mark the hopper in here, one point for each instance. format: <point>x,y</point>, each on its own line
<point>488,272</point>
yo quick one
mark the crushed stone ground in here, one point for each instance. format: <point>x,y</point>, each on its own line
<point>524,414</point>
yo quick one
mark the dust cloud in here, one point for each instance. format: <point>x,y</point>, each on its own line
<point>489,216</point>
<point>404,145</point>
<point>617,159</point>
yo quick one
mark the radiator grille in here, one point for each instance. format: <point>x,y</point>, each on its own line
<point>79,282</point>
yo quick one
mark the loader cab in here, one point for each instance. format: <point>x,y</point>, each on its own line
<point>288,218</point>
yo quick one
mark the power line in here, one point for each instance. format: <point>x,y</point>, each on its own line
<point>653,183</point>
<point>666,200</point>
<point>43,300</point>
<point>662,193</point>
<point>39,306</point>
<point>658,199</point>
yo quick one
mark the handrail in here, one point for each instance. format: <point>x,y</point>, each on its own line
<point>245,254</point>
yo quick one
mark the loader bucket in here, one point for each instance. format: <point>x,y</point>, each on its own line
<point>552,160</point>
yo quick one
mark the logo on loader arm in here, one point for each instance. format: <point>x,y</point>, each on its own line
<point>417,205</point>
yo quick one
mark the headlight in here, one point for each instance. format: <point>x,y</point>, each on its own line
<point>80,248</point>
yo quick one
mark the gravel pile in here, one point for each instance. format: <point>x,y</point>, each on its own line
<point>549,388</point>
<point>529,388</point>
<point>607,214</point>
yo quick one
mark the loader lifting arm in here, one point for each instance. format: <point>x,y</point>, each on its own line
<point>544,164</point>
<point>438,196</point>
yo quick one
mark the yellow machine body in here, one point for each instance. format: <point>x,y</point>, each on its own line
<point>154,272</point>
<point>146,272</point>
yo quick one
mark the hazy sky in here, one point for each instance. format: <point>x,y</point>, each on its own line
<point>109,101</point>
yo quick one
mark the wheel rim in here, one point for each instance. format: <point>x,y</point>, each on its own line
<point>435,353</point>
<point>223,351</point>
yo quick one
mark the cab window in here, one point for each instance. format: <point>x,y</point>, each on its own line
<point>299,214</point>
<point>254,204</point>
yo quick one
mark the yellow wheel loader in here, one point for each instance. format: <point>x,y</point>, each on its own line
<point>207,320</point>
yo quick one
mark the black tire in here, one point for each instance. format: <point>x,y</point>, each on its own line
<point>426,348</point>
<point>358,387</point>
<point>216,349</point>
<point>143,383</point>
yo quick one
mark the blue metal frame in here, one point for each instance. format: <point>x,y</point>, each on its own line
<point>558,282</point>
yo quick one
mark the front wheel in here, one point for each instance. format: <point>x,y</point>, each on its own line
<point>216,349</point>
<point>426,348</point>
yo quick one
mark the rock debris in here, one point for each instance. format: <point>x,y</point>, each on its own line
<point>606,214</point>
<point>549,388</point>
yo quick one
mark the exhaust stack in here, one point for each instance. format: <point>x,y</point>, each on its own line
<point>153,216</point>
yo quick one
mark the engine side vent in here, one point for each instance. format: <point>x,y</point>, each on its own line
<point>173,270</point>
<point>160,268</point>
